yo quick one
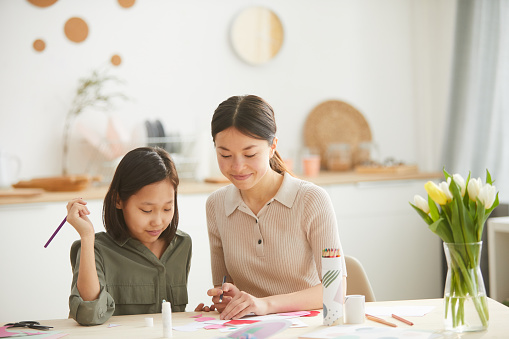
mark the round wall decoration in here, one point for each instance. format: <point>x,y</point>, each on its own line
<point>126,3</point>
<point>116,60</point>
<point>76,29</point>
<point>257,35</point>
<point>42,3</point>
<point>39,45</point>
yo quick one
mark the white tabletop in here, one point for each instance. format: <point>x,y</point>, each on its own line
<point>133,326</point>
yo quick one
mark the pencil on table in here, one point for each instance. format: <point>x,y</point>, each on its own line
<point>402,320</point>
<point>380,320</point>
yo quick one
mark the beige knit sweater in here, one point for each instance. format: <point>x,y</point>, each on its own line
<point>277,251</point>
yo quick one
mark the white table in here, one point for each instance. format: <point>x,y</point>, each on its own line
<point>133,326</point>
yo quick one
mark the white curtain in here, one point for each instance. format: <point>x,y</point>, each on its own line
<point>477,134</point>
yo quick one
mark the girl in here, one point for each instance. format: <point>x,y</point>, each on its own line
<point>142,258</point>
<point>268,229</point>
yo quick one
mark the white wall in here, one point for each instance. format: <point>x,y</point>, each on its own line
<point>179,65</point>
<point>390,59</point>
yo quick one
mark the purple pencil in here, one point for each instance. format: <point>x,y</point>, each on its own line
<point>56,231</point>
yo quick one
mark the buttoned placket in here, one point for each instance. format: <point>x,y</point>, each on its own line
<point>161,270</point>
<point>259,243</point>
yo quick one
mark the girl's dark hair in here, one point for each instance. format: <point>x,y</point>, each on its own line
<point>138,168</point>
<point>252,116</point>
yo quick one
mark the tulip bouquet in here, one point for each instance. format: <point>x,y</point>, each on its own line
<point>456,210</point>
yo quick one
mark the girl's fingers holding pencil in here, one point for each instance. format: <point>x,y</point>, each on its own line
<point>77,216</point>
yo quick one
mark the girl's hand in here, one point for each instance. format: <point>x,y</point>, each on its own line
<point>77,212</point>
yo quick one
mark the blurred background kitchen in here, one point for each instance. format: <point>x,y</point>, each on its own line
<point>427,77</point>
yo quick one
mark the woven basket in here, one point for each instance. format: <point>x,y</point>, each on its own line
<point>333,122</point>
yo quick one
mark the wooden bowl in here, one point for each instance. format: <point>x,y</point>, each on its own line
<point>58,184</point>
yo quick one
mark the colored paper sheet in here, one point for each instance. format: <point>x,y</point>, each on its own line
<point>214,326</point>
<point>295,314</point>
<point>202,319</point>
<point>312,314</point>
<point>240,322</point>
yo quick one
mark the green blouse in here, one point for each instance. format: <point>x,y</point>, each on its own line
<point>132,279</point>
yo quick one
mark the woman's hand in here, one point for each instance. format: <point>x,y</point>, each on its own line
<point>236,303</point>
<point>77,212</point>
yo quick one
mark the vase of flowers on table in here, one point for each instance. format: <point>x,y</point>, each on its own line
<point>456,210</point>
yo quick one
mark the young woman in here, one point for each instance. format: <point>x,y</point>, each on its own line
<point>142,258</point>
<point>268,229</point>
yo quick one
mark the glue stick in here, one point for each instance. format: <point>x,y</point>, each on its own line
<point>167,333</point>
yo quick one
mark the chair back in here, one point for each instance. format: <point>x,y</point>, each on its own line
<point>357,280</point>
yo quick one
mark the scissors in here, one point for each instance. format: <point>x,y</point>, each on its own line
<point>30,324</point>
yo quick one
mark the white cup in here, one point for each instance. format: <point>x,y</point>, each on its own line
<point>354,309</point>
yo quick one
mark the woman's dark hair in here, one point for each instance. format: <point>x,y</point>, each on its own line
<point>252,116</point>
<point>138,168</point>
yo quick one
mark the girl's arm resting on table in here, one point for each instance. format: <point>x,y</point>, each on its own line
<point>92,312</point>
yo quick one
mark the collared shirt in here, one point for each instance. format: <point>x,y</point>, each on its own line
<point>132,279</point>
<point>278,250</point>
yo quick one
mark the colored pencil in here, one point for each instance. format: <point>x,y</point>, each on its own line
<point>221,296</point>
<point>56,231</point>
<point>402,320</point>
<point>380,320</point>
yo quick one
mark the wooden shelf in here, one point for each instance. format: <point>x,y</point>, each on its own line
<point>195,187</point>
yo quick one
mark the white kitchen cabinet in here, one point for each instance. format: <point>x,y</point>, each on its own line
<point>36,281</point>
<point>377,225</point>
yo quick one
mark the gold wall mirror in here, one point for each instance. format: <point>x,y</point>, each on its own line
<point>257,35</point>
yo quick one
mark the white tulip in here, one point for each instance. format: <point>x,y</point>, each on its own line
<point>474,186</point>
<point>444,187</point>
<point>421,203</point>
<point>458,179</point>
<point>487,195</point>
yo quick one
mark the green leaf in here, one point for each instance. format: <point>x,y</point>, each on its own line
<point>441,229</point>
<point>433,209</point>
<point>480,219</point>
<point>462,220</point>
<point>423,215</point>
<point>488,177</point>
<point>446,174</point>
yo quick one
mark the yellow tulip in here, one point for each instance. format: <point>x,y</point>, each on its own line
<point>435,193</point>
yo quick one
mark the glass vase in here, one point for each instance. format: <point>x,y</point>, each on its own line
<point>466,305</point>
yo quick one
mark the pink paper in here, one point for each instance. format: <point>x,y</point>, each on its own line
<point>214,326</point>
<point>240,322</point>
<point>196,316</point>
<point>296,314</point>
<point>202,319</point>
<point>4,333</point>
